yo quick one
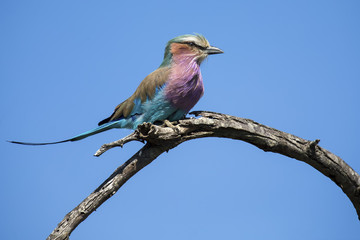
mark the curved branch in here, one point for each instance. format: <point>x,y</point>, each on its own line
<point>163,138</point>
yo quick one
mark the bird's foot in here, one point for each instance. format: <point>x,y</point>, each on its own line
<point>169,124</point>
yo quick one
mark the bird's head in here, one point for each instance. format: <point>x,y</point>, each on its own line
<point>188,46</point>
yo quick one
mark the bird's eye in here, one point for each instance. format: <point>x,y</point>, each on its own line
<point>191,44</point>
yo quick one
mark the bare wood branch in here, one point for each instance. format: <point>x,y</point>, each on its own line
<point>160,139</point>
<point>119,143</point>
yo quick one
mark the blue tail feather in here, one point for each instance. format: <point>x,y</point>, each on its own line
<point>99,129</point>
<point>91,132</point>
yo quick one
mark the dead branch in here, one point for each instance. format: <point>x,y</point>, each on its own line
<point>163,138</point>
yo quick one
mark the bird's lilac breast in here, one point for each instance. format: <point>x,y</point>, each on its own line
<point>185,86</point>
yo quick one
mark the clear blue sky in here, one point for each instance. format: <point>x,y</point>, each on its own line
<point>291,65</point>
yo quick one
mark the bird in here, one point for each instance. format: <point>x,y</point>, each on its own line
<point>166,94</point>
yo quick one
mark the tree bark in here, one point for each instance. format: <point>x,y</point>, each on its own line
<point>163,138</point>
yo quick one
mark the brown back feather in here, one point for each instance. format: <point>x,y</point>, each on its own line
<point>146,90</point>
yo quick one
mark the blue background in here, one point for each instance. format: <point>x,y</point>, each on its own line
<point>291,65</point>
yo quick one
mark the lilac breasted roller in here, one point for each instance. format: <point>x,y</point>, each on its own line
<point>168,93</point>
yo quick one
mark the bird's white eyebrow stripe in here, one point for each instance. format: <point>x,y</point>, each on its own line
<point>195,40</point>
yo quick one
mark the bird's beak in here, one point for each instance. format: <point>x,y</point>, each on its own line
<point>213,50</point>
